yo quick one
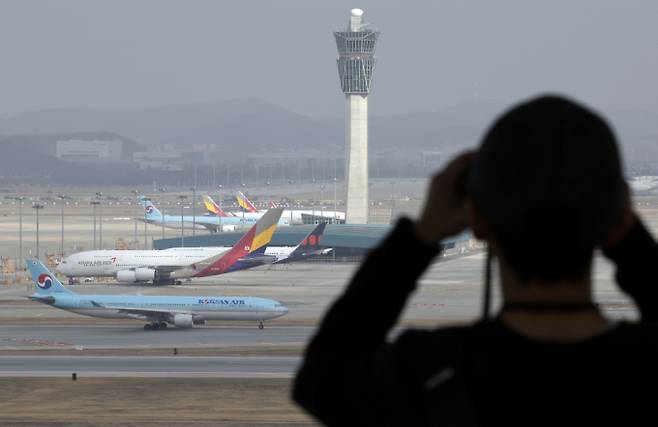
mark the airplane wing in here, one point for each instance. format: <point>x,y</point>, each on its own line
<point>213,228</point>
<point>259,259</point>
<point>144,313</point>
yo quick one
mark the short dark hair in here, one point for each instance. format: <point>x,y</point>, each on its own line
<point>548,178</point>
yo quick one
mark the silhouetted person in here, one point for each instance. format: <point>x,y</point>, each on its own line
<point>545,191</point>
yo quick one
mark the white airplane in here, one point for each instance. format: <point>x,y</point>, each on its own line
<point>170,265</point>
<point>292,216</point>
<point>643,184</point>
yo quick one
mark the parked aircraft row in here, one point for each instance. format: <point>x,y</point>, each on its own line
<point>216,219</point>
<point>180,311</point>
<point>294,216</point>
<point>212,223</point>
<point>169,266</point>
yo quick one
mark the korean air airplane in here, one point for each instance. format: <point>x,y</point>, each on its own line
<point>159,311</point>
<point>212,223</point>
<point>169,266</point>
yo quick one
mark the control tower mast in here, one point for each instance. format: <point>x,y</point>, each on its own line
<point>356,61</point>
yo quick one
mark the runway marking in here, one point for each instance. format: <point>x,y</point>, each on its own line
<point>147,374</point>
<point>41,342</point>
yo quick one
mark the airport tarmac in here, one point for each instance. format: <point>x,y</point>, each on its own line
<point>132,336</point>
<point>448,293</point>
<point>153,366</point>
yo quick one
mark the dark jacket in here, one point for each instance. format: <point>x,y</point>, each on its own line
<point>482,374</point>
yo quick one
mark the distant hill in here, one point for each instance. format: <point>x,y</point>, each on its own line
<point>46,143</point>
<point>247,127</point>
<point>31,159</point>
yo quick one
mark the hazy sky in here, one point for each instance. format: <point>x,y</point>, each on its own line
<point>432,54</point>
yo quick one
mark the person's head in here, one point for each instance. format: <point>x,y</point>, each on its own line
<point>546,187</point>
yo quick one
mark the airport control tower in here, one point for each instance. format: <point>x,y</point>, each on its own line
<point>356,61</point>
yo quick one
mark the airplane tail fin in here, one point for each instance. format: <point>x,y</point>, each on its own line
<point>256,238</point>
<point>149,208</point>
<point>272,205</point>
<point>45,282</point>
<point>244,203</point>
<point>309,246</point>
<point>213,207</point>
<point>312,240</point>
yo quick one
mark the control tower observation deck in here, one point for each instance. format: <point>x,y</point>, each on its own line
<point>356,61</point>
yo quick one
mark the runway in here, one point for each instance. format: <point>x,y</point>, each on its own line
<point>132,336</point>
<point>158,366</point>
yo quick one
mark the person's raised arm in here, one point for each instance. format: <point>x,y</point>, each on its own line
<point>346,375</point>
<point>635,253</point>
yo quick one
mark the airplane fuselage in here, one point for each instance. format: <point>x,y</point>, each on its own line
<point>106,263</point>
<point>201,307</point>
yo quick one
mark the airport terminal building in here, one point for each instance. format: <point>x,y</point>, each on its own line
<point>349,241</point>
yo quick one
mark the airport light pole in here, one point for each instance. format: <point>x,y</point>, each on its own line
<point>267,196</point>
<point>335,196</point>
<point>162,190</point>
<point>61,198</point>
<point>182,197</point>
<point>194,204</point>
<point>145,230</point>
<point>93,204</point>
<point>37,207</point>
<point>219,218</point>
<point>241,207</point>
<point>392,199</point>
<point>322,187</point>
<point>163,223</point>
<point>135,192</point>
<point>99,195</point>
<point>20,229</point>
<point>312,202</point>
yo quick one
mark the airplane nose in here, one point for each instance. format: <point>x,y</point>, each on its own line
<point>283,310</point>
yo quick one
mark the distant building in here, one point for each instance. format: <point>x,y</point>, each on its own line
<point>160,160</point>
<point>79,150</point>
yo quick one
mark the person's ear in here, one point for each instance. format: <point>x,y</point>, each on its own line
<point>477,223</point>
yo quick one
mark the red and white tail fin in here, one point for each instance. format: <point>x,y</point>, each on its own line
<point>258,236</point>
<point>244,203</point>
<point>213,207</point>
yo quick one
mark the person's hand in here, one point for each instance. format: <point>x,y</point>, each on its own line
<point>444,213</point>
<point>626,220</point>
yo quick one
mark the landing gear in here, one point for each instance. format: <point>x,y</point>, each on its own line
<point>155,326</point>
<point>260,325</point>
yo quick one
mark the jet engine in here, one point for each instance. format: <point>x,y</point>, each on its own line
<point>137,275</point>
<point>183,320</point>
<point>144,274</point>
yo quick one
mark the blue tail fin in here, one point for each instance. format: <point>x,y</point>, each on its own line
<point>44,281</point>
<point>311,243</point>
<point>312,240</point>
<point>151,211</point>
